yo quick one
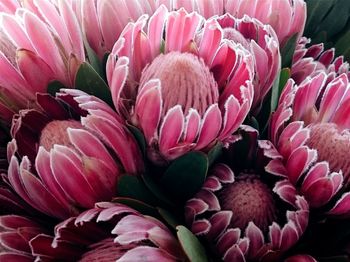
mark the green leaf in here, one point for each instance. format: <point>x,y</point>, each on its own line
<point>139,137</point>
<point>169,217</point>
<point>138,205</point>
<point>278,86</point>
<point>193,249</point>
<point>215,153</point>
<point>316,12</point>
<point>89,81</point>
<point>93,59</point>
<point>342,46</point>
<point>133,187</point>
<point>185,176</point>
<point>287,51</point>
<point>154,188</point>
<point>54,87</point>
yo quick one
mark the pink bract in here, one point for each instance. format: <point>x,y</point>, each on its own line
<point>310,130</point>
<point>67,169</point>
<point>109,232</point>
<point>195,123</point>
<point>39,44</point>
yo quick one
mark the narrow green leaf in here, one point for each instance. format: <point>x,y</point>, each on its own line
<point>154,188</point>
<point>287,51</point>
<point>215,153</point>
<point>93,59</point>
<point>138,205</point>
<point>139,137</point>
<point>89,81</point>
<point>190,244</point>
<point>278,87</point>
<point>185,176</point>
<point>54,87</point>
<point>169,217</point>
<point>133,187</point>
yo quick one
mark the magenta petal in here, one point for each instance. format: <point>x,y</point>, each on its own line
<point>219,221</point>
<point>228,239</point>
<point>148,109</point>
<point>342,207</point>
<point>210,41</point>
<point>14,257</point>
<point>234,254</point>
<point>300,258</point>
<point>256,238</point>
<point>200,227</point>
<point>210,127</point>
<point>171,129</point>
<point>37,73</point>
<point>155,29</point>
<point>299,161</point>
<point>289,236</point>
<point>62,159</point>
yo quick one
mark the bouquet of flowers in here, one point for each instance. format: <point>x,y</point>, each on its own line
<point>174,130</point>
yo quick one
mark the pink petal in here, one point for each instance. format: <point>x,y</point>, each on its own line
<point>148,109</point>
<point>210,41</point>
<point>342,207</point>
<point>171,129</point>
<point>256,239</point>
<point>211,125</point>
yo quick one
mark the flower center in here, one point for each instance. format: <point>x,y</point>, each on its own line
<point>105,251</point>
<point>185,80</point>
<point>332,146</point>
<point>250,200</point>
<point>55,132</point>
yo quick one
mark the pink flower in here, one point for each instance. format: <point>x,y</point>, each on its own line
<point>109,232</point>
<point>15,234</point>
<point>309,61</point>
<point>262,42</point>
<point>70,154</point>
<point>186,87</point>
<point>103,21</point>
<point>310,129</point>
<point>37,47</point>
<point>287,17</point>
<point>247,215</point>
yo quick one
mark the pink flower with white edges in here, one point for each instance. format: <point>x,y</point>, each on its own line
<point>310,130</point>
<point>38,44</point>
<point>180,81</point>
<point>68,155</point>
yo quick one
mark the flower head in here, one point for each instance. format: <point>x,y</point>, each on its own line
<point>181,83</point>
<point>287,17</point>
<point>310,129</point>
<point>72,152</point>
<point>109,232</point>
<point>37,45</point>
<point>248,215</point>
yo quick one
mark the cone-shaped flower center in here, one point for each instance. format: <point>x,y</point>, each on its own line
<point>185,80</point>
<point>105,251</point>
<point>250,200</point>
<point>55,132</point>
<point>332,146</point>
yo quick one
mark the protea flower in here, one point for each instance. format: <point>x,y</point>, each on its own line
<point>186,87</point>
<point>109,232</point>
<point>287,17</point>
<point>70,154</point>
<point>36,48</point>
<point>103,21</point>
<point>249,215</point>
<point>262,42</point>
<point>15,234</point>
<point>310,130</point>
<point>309,61</point>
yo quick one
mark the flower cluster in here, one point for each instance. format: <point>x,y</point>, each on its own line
<point>172,130</point>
